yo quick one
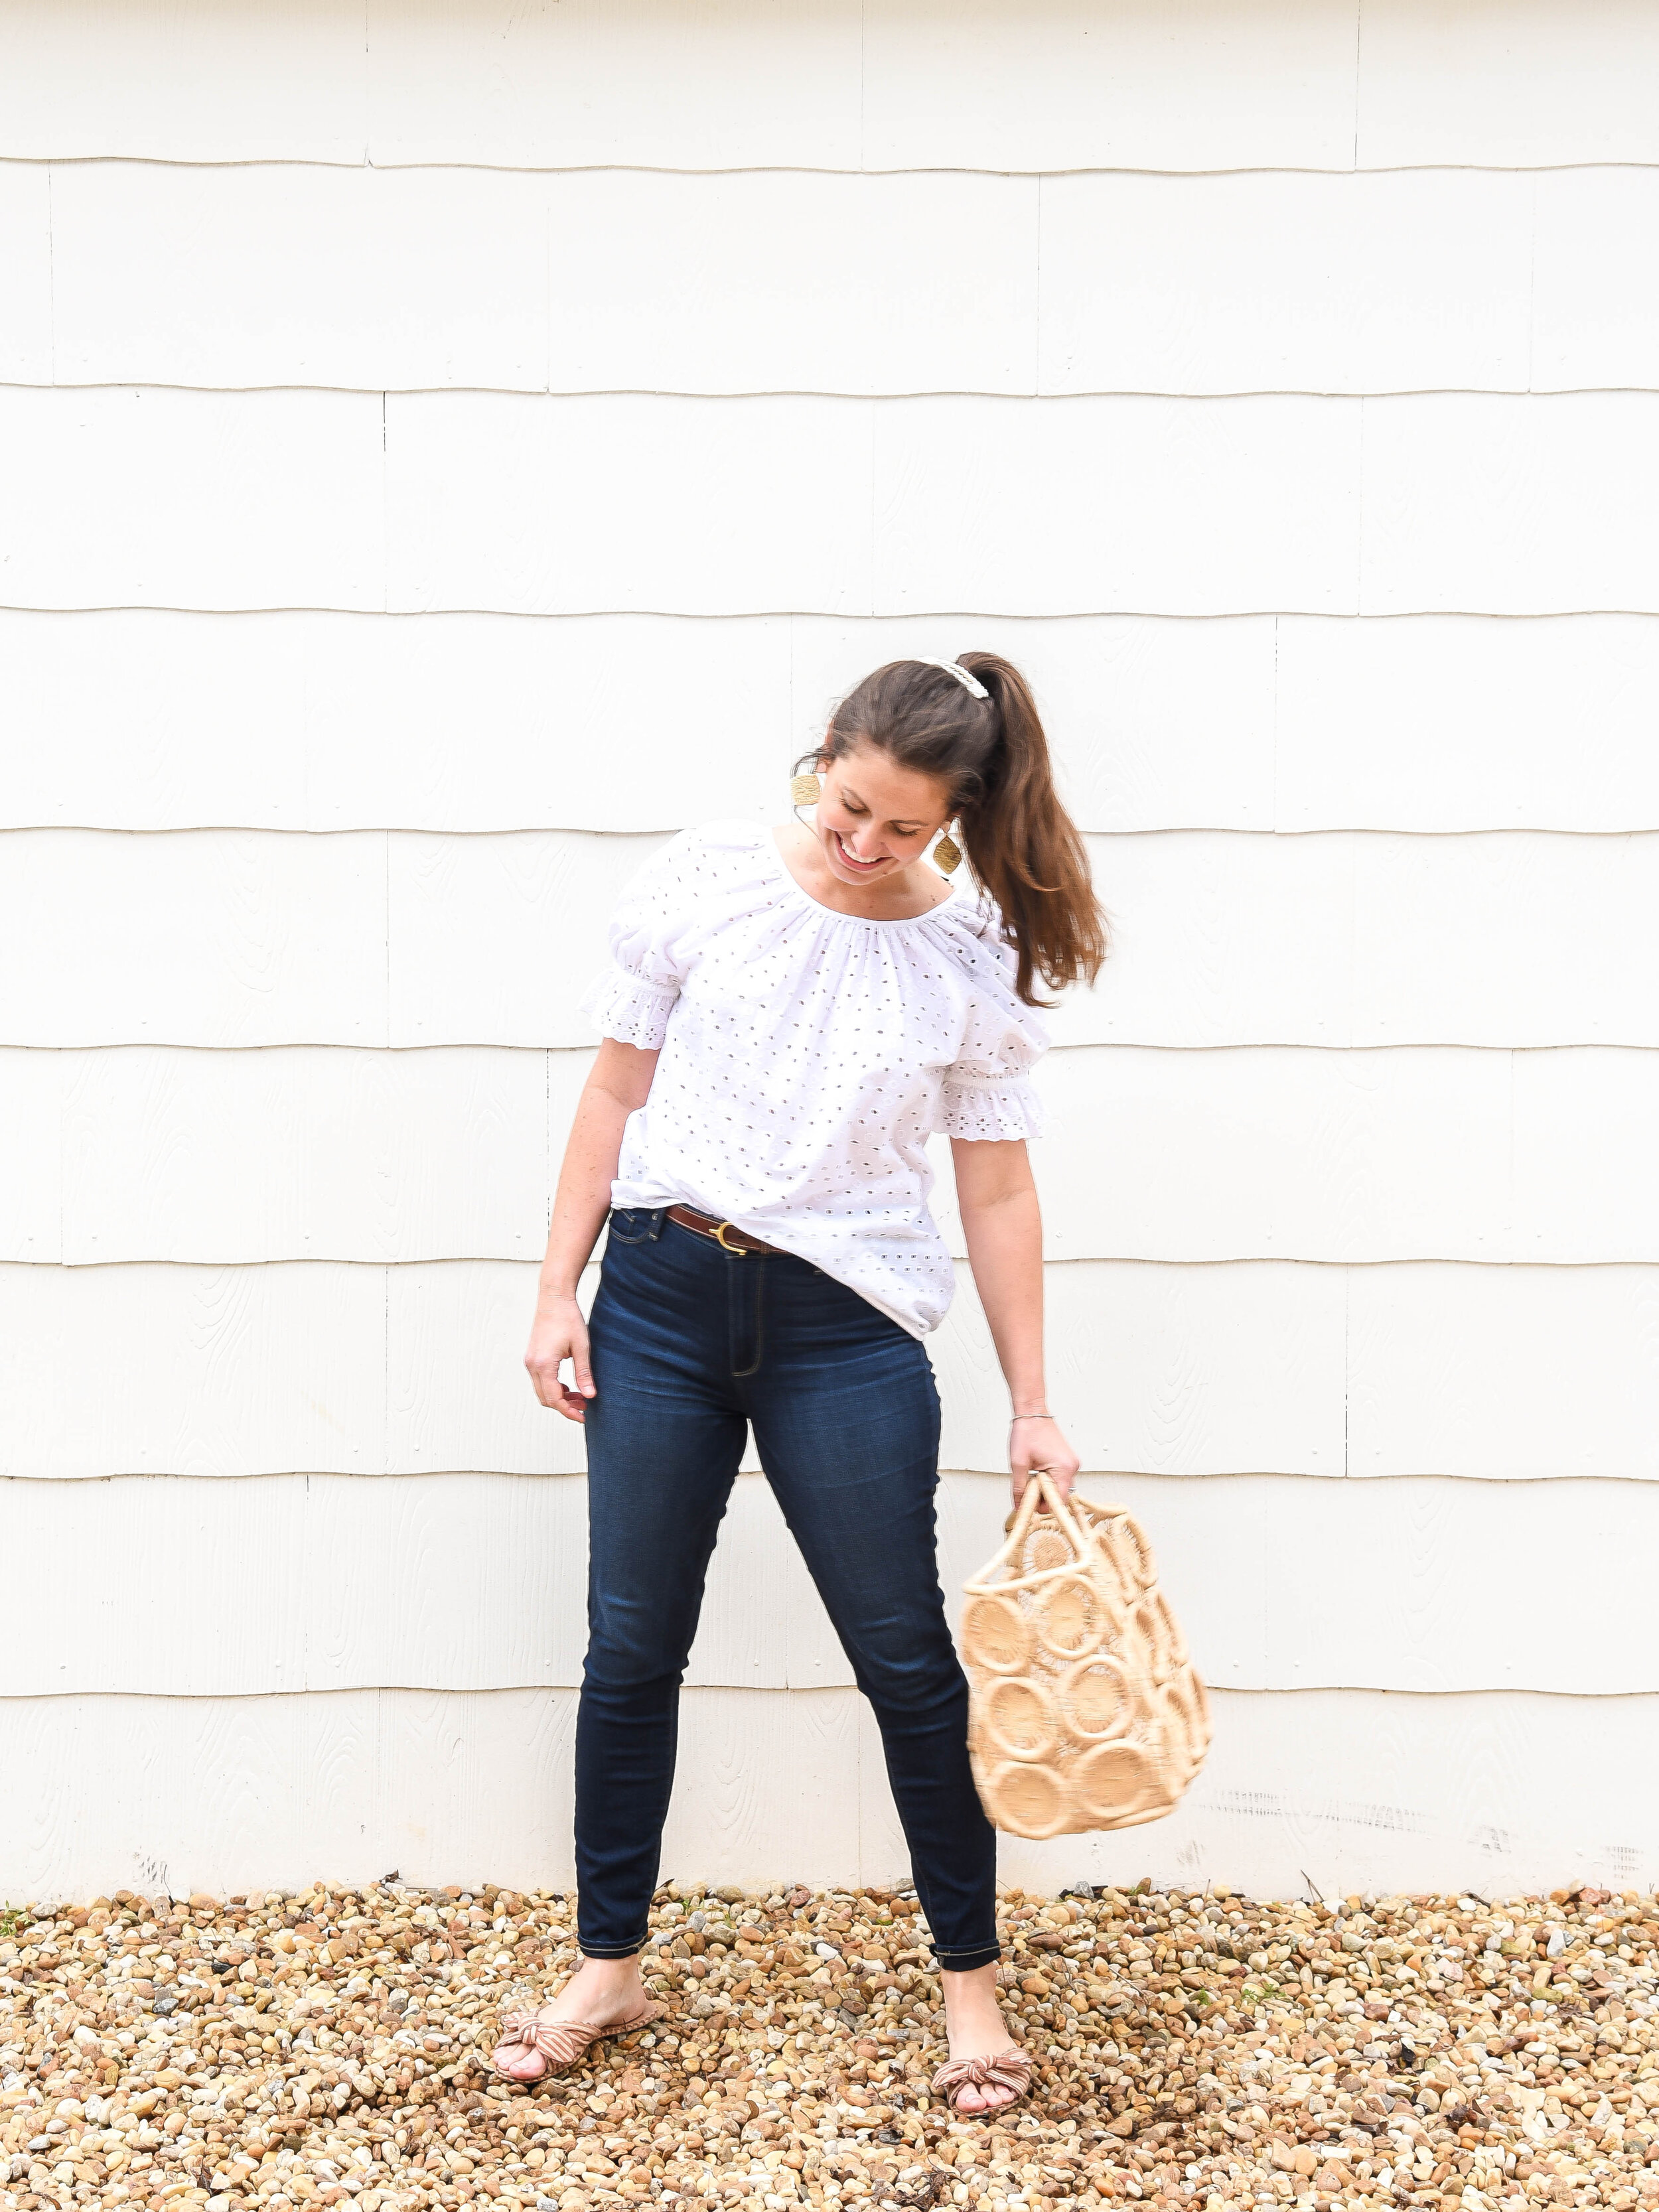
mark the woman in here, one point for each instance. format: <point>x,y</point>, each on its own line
<point>790,1016</point>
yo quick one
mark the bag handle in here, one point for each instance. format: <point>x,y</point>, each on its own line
<point>1040,1492</point>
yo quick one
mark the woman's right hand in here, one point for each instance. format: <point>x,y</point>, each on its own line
<point>558,1333</point>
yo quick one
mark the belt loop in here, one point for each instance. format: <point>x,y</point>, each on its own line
<point>659,1215</point>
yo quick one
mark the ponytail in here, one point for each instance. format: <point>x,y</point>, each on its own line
<point>1024,847</point>
<point>991,753</point>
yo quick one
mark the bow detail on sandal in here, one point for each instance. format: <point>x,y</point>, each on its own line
<point>1003,2069</point>
<point>560,2043</point>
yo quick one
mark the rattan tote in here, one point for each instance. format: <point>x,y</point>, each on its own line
<point>1085,1710</point>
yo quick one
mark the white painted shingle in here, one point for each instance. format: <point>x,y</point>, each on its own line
<point>1531,87</point>
<point>1381,1791</point>
<point>1270,281</point>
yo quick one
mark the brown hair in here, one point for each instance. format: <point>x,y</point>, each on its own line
<point>992,755</point>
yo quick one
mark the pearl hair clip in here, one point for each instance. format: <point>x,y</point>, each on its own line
<point>968,682</point>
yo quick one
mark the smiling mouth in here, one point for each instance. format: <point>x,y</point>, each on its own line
<point>863,867</point>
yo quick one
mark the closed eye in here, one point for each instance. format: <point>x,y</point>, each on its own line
<point>898,828</point>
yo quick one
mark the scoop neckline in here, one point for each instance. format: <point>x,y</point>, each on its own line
<point>859,920</point>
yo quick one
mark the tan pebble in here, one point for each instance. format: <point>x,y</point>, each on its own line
<point>1427,1956</point>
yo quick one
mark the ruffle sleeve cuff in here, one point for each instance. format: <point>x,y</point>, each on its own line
<point>625,1006</point>
<point>989,1110</point>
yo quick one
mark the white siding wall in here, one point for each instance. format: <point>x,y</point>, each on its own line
<point>428,429</point>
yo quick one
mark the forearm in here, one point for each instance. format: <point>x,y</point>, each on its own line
<point>1003,1223</point>
<point>1004,1250</point>
<point>583,1197</point>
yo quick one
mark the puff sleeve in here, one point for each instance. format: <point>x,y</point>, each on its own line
<point>987,1095</point>
<point>632,999</point>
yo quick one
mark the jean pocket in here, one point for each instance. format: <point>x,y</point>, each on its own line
<point>634,1225</point>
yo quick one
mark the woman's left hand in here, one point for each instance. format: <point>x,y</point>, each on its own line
<point>1040,1442</point>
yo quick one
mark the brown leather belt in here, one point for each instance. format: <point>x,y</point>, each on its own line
<point>723,1234</point>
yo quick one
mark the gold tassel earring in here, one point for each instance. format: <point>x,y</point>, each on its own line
<point>804,790</point>
<point>947,854</point>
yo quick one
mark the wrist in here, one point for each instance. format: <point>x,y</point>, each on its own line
<point>556,1294</point>
<point>1032,1410</point>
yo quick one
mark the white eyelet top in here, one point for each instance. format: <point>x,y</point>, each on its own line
<point>807,1056</point>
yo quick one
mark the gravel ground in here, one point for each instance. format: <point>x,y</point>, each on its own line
<point>1194,2049</point>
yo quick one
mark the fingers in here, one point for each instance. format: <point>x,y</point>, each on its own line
<point>549,1350</point>
<point>545,1380</point>
<point>571,1404</point>
<point>580,1369</point>
<point>574,1394</point>
<point>556,1395</point>
<point>1041,1447</point>
<point>1061,1472</point>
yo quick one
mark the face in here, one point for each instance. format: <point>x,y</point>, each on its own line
<point>874,816</point>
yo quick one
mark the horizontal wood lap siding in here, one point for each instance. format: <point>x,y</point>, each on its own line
<point>1279,1584</point>
<point>469,722</point>
<point>239,938</point>
<point>452,448</point>
<point>775,281</point>
<point>894,84</point>
<point>1383,1791</point>
<point>1254,1366</point>
<point>451,1153</point>
<point>428,502</point>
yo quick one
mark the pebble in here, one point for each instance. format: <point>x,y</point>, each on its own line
<point>279,2052</point>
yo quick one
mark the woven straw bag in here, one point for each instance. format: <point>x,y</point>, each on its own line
<point>1085,1711</point>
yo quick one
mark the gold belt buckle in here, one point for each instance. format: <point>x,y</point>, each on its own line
<point>736,1250</point>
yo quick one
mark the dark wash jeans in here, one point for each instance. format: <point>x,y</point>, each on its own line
<point>690,1343</point>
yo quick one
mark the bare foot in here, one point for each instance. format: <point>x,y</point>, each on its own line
<point>975,2029</point>
<point>600,1991</point>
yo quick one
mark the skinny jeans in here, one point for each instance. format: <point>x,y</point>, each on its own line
<point>690,1345</point>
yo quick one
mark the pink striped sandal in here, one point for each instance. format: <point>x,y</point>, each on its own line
<point>559,2044</point>
<point>1003,2069</point>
